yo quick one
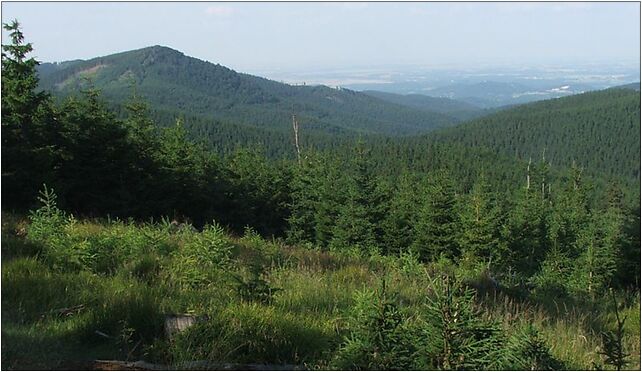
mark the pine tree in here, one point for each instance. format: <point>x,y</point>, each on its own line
<point>458,337</point>
<point>360,219</point>
<point>569,213</point>
<point>595,266</point>
<point>305,201</point>
<point>398,233</point>
<point>332,196</point>
<point>525,232</point>
<point>436,227</point>
<point>28,127</point>
<point>353,228</point>
<point>479,221</point>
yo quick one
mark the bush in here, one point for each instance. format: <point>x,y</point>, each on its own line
<point>381,337</point>
<point>50,227</point>
<point>527,350</point>
<point>255,287</point>
<point>204,255</point>
<point>457,336</point>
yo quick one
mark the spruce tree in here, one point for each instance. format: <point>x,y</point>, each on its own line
<point>479,221</point>
<point>398,232</point>
<point>436,228</point>
<point>29,143</point>
<point>305,187</point>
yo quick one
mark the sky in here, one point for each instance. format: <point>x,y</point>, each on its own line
<point>303,36</point>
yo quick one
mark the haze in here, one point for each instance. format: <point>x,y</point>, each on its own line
<point>252,37</point>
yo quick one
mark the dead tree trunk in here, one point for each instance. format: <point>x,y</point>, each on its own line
<point>295,126</point>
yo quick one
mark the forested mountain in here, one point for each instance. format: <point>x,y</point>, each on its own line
<point>599,131</point>
<point>458,109</point>
<point>173,82</point>
<point>632,86</point>
<point>227,110</point>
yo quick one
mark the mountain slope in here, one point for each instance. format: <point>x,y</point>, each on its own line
<point>631,86</point>
<point>171,81</point>
<point>458,109</point>
<point>600,131</point>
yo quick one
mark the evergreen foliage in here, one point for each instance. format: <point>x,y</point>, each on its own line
<point>458,337</point>
<point>381,338</point>
<point>436,228</point>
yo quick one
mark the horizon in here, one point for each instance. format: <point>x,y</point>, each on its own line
<point>373,41</point>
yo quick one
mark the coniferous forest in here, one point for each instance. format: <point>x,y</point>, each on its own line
<point>509,241</point>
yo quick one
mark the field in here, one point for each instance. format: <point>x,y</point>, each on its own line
<point>76,291</point>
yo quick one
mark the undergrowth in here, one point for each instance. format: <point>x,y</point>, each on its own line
<point>86,290</point>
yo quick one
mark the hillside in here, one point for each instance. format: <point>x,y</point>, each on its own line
<point>458,109</point>
<point>632,86</point>
<point>173,82</point>
<point>599,131</point>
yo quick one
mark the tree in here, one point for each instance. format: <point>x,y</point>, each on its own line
<point>28,146</point>
<point>436,227</point>
<point>479,221</point>
<point>595,266</point>
<point>458,336</point>
<point>306,188</point>
<point>398,233</point>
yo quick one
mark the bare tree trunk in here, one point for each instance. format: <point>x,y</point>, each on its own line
<point>295,126</point>
<point>528,174</point>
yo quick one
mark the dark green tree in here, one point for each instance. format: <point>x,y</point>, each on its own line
<point>28,143</point>
<point>480,224</point>
<point>436,228</point>
<point>398,232</point>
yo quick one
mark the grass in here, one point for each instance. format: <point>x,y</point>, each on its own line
<point>135,274</point>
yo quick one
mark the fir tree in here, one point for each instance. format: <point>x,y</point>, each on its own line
<point>479,221</point>
<point>398,223</point>
<point>29,143</point>
<point>436,228</point>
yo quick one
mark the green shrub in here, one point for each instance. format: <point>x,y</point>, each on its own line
<point>527,350</point>
<point>199,262</point>
<point>380,335</point>
<point>409,264</point>
<point>146,268</point>
<point>51,228</point>
<point>613,351</point>
<point>457,335</point>
<point>255,286</point>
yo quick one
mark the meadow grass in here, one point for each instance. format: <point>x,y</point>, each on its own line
<point>138,273</point>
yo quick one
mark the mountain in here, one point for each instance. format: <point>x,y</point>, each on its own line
<point>599,131</point>
<point>457,109</point>
<point>174,83</point>
<point>632,86</point>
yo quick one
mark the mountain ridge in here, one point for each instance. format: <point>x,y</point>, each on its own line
<point>170,80</point>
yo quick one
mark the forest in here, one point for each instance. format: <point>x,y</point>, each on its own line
<point>511,241</point>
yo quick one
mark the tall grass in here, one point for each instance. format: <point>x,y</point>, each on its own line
<point>125,277</point>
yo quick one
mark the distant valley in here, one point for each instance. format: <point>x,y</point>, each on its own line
<point>483,86</point>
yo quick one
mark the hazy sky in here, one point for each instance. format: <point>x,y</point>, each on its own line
<point>299,36</point>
